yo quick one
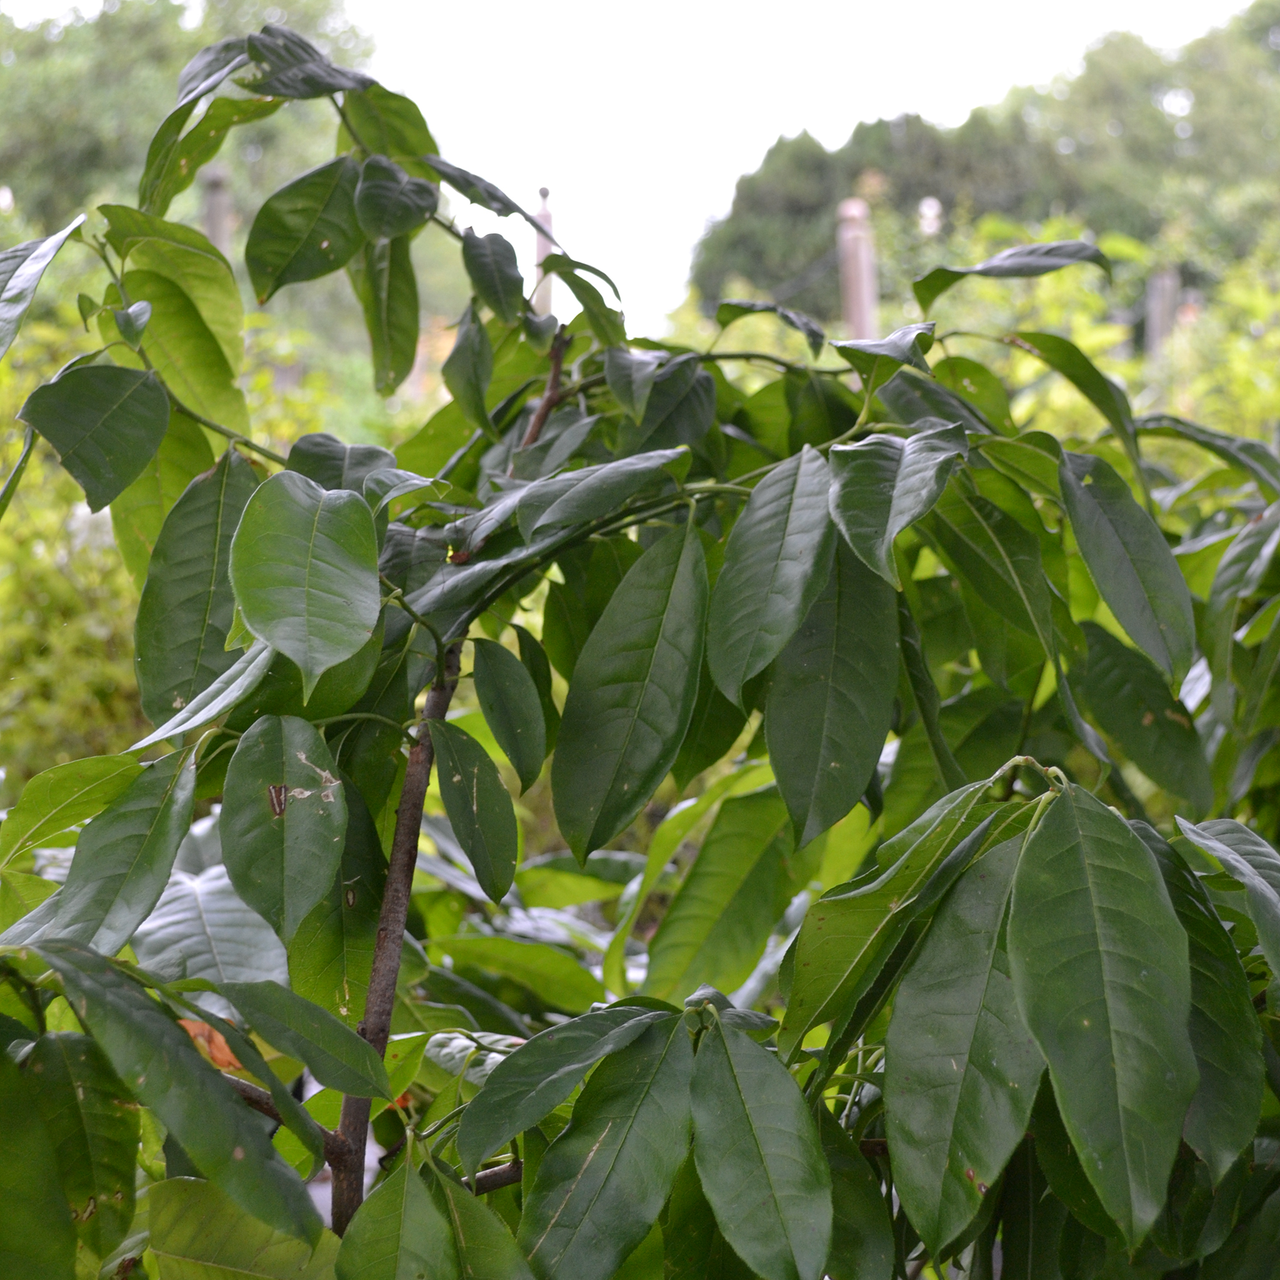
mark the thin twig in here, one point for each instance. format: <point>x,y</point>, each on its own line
<point>336,1147</point>
<point>551,396</point>
<point>503,1175</point>
<point>242,440</point>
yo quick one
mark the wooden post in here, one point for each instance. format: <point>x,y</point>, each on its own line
<point>542,293</point>
<point>859,288</point>
<point>217,212</point>
<point>1163,288</point>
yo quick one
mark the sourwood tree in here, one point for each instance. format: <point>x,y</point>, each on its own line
<point>977,730</point>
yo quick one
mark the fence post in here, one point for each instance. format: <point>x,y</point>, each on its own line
<point>859,288</point>
<point>542,293</point>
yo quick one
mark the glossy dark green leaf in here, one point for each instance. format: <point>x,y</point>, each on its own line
<point>210,67</point>
<point>883,484</point>
<point>390,203</point>
<point>534,657</point>
<point>284,816</point>
<point>913,397</point>
<point>486,1249</point>
<point>482,192</point>
<point>1131,701</point>
<point>925,692</point>
<point>105,422</point>
<point>287,66</point>
<point>551,973</point>
<point>977,385</point>
<point>1250,1252</point>
<point>1130,562</point>
<point>878,359</point>
<point>161,1066</point>
<point>605,322</point>
<point>384,281</point>
<point>1020,260</point>
<point>603,1181</point>
<point>39,1242</point>
<point>335,465</point>
<point>1067,359</point>
<point>478,805</point>
<point>92,1123</point>
<point>693,1246</point>
<point>861,1229</point>
<point>1033,460</point>
<point>630,375</point>
<point>632,693</point>
<point>491,264</point>
<point>469,369</point>
<point>1225,1032</point>
<point>1100,970</point>
<point>331,955</point>
<point>306,229</point>
<point>759,1159</point>
<point>304,565</point>
<point>830,701</point>
<point>714,728</point>
<point>20,270</point>
<point>732,309</point>
<point>1031,1220</point>
<point>389,124</point>
<point>578,496</point>
<point>1250,456</point>
<point>124,856</point>
<point>776,563</point>
<point>961,1069</point>
<point>187,604</point>
<point>512,709</point>
<point>531,1082</point>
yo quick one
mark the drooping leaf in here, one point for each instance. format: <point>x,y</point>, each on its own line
<point>1067,359</point>
<point>759,1159</point>
<point>1100,971</point>
<point>1130,562</point>
<point>861,1230</point>
<point>334,465</point>
<point>830,701</point>
<point>469,369</point>
<point>605,322</point>
<point>39,1242</point>
<point>878,359</point>
<point>93,1126</point>
<point>185,612</point>
<point>304,566</point>
<point>1020,260</point>
<point>383,278</point>
<point>105,422</point>
<point>389,124</point>
<point>482,192</point>
<point>694,1248</point>
<point>1031,1220</point>
<point>730,310</point>
<point>714,728</point>
<point>1250,1251</point>
<point>776,563</point>
<point>162,1068</point>
<point>210,67</point>
<point>390,203</point>
<point>287,66</point>
<point>550,973</point>
<point>124,856</point>
<point>284,817</point>
<point>883,484</point>
<point>512,709</point>
<point>915,397</point>
<point>961,1069</point>
<point>1224,1028</point>
<point>478,805</point>
<point>630,375</point>
<point>20,270</point>
<point>306,229</point>
<point>927,700</point>
<point>977,385</point>
<point>491,265</point>
<point>632,693</point>
<point>531,1082</point>
<point>602,1183</point>
<point>584,495</point>
<point>1250,456</point>
<point>1033,459</point>
<point>486,1249</point>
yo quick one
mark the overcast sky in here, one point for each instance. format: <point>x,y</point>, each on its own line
<point>641,117</point>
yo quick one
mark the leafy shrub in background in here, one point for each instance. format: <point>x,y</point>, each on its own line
<point>1004,701</point>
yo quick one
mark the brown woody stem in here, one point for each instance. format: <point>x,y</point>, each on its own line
<point>335,1145</point>
<point>348,1174</point>
<point>551,396</point>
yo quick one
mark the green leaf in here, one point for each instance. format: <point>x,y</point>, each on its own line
<point>390,203</point>
<point>478,805</point>
<point>335,465</point>
<point>61,798</point>
<point>877,360</point>
<point>39,1242</point>
<point>759,1159</point>
<point>1224,1028</point>
<point>925,693</point>
<point>1067,359</point>
<point>976,384</point>
<point>776,563</point>
<point>1250,456</point>
<point>578,496</point>
<point>605,322</point>
<point>714,728</point>
<point>209,68</point>
<point>384,281</point>
<point>20,270</point>
<point>883,484</point>
<point>389,124</point>
<point>716,926</point>
<point>234,684</point>
<point>197,1233</point>
<point>124,856</point>
<point>602,1182</point>
<point>482,192</point>
<point>632,693</point>
<point>491,264</point>
<point>1130,562</point>
<point>732,309</point>
<point>486,1249</point>
<point>861,1230</point>
<point>138,514</point>
<point>1100,970</point>
<point>693,1246</point>
<point>1031,1220</point>
<point>531,1082</point>
<point>284,815</point>
<point>304,565</point>
<point>630,375</point>
<point>1021,260</point>
<point>961,1069</point>
<point>306,229</point>
<point>1131,701</point>
<point>551,974</point>
<point>1250,1250</point>
<point>93,1126</point>
<point>336,1056</point>
<point>512,709</point>
<point>105,422</point>
<point>468,369</point>
<point>331,955</point>
<point>1032,460</point>
<point>830,701</point>
<point>913,397</point>
<point>187,604</point>
<point>287,66</point>
<point>132,322</point>
<point>174,158</point>
<point>21,894</point>
<point>163,1069</point>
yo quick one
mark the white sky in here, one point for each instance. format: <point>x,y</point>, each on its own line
<point>641,117</point>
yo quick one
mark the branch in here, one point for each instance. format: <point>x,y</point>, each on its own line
<point>337,1149</point>
<point>242,440</point>
<point>504,1175</point>
<point>551,396</point>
